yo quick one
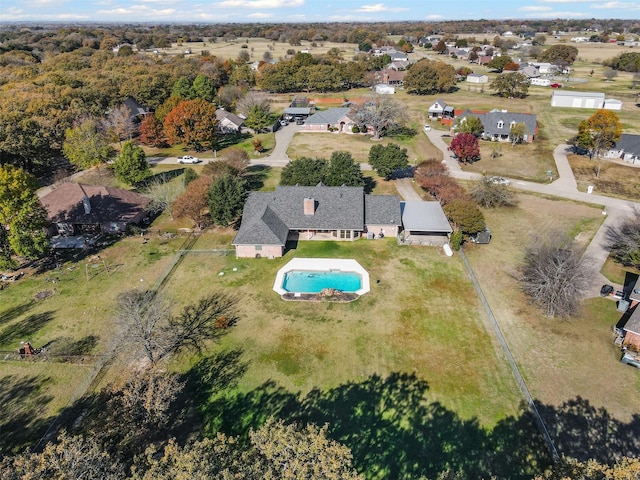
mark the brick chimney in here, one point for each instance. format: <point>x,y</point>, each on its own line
<point>309,206</point>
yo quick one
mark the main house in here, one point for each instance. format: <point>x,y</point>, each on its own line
<point>270,219</point>
<point>332,119</point>
<point>497,124</point>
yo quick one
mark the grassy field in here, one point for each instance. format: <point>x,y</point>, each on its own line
<point>256,47</point>
<point>560,359</point>
<point>403,325</point>
<point>617,180</point>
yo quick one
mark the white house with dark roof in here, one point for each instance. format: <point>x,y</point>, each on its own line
<point>440,109</point>
<point>269,219</point>
<point>228,122</point>
<point>497,124</point>
<point>627,148</point>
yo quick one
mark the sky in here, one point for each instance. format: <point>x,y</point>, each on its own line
<point>291,11</point>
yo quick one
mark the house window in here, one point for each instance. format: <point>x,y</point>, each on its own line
<point>344,233</point>
<point>513,124</point>
<point>258,248</point>
<point>500,124</point>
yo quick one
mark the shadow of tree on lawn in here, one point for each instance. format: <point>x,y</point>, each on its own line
<point>22,400</point>
<point>22,330</point>
<point>391,428</point>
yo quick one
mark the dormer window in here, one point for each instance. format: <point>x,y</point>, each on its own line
<point>513,124</point>
<point>500,124</point>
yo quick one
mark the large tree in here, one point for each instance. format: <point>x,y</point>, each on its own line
<point>428,77</point>
<point>465,215</point>
<point>192,123</point>
<point>226,199</point>
<point>86,146</point>
<point>469,124</point>
<point>489,194</point>
<point>275,450</point>
<point>151,131</point>
<point>303,171</point>
<point>498,63</point>
<point>559,53</point>
<point>386,159</point>
<point>465,147</point>
<point>131,164</point>
<point>343,170</point>
<point>193,203</point>
<point>554,275</point>
<point>22,218</point>
<point>599,133</point>
<point>511,85</point>
<point>380,113</point>
<point>517,133</point>
<point>624,240</point>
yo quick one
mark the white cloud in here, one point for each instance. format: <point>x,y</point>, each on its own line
<point>259,3</point>
<point>617,5</point>
<point>563,1</point>
<point>535,9</point>
<point>139,10</point>
<point>379,7</point>
<point>260,15</point>
<point>433,17</point>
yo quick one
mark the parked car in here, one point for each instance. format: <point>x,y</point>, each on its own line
<point>299,121</point>
<point>555,85</point>
<point>483,237</point>
<point>426,128</point>
<point>284,123</point>
<point>499,180</point>
<point>188,159</point>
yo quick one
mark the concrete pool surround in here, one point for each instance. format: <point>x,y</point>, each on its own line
<point>323,265</point>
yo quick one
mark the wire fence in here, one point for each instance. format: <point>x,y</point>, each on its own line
<point>512,363</point>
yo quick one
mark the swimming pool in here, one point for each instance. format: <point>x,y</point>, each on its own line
<point>312,275</point>
<point>305,281</point>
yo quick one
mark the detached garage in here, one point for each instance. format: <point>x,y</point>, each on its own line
<point>424,223</point>
<point>577,99</point>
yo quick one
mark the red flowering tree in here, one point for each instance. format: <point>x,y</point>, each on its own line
<point>465,147</point>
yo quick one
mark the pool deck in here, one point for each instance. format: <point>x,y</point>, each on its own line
<point>323,265</point>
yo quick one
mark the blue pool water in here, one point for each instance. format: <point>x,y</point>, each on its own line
<point>304,281</point>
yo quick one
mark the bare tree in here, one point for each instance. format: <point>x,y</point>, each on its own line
<point>555,275</point>
<point>251,100</point>
<point>379,113</point>
<point>610,74</point>
<point>143,320</point>
<point>163,193</point>
<point>120,123</point>
<point>624,240</point>
<point>487,193</point>
<point>149,325</point>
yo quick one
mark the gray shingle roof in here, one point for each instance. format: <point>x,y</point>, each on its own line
<point>328,117</point>
<point>629,143</point>
<point>424,217</point>
<point>382,210</point>
<point>491,120</point>
<point>268,216</point>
